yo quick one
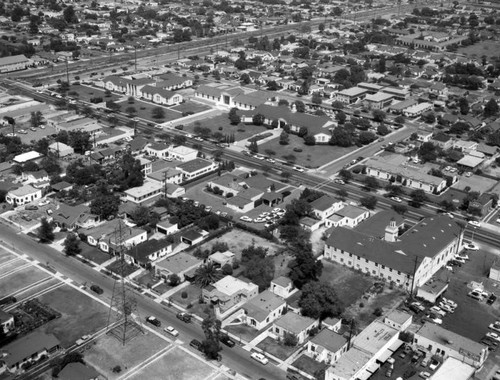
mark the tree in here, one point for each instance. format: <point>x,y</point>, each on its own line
<point>371,183</point>
<point>340,117</point>
<point>378,115</point>
<point>158,113</point>
<point>36,119</point>
<point>463,104</point>
<point>131,111</point>
<point>369,202</point>
<point>105,206</point>
<point>46,232</point>
<point>284,138</point>
<point>382,130</point>
<point>179,140</point>
<point>428,152</point>
<point>69,15</point>
<point>234,118</point>
<point>173,279</point>
<point>290,339</point>
<point>400,209</point>
<point>17,13</point>
<point>207,274</point>
<point>447,205</point>
<point>211,327</point>
<point>428,117</point>
<point>258,119</point>
<point>72,245</point>
<point>345,174</point>
<point>304,268</point>
<point>33,27</point>
<point>253,147</point>
<point>342,194</point>
<point>300,106</point>
<point>113,106</point>
<point>418,197</point>
<point>399,119</point>
<point>491,108</point>
<point>366,137</point>
<point>316,98</point>
<point>319,301</point>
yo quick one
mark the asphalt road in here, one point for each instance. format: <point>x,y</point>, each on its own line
<point>235,358</point>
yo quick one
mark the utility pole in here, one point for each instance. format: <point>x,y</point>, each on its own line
<point>165,173</point>
<point>135,58</point>
<point>67,71</point>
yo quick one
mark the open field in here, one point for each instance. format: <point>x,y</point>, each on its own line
<point>108,352</point>
<point>487,48</point>
<point>144,111</point>
<point>85,93</point>
<point>175,365</point>
<point>20,279</point>
<point>81,314</point>
<point>241,131</point>
<point>310,157</point>
<point>191,106</point>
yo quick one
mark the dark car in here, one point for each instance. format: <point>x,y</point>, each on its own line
<point>8,300</point>
<point>455,263</point>
<point>184,317</point>
<point>154,321</point>
<point>491,300</point>
<point>31,207</point>
<point>227,341</point>
<point>196,344</point>
<point>96,289</point>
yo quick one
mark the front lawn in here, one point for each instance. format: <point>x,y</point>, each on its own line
<point>309,156</point>
<point>276,348</point>
<point>128,269</point>
<point>308,365</point>
<point>86,93</point>
<point>145,111</point>
<point>93,254</point>
<point>191,106</point>
<point>241,131</point>
<point>192,293</point>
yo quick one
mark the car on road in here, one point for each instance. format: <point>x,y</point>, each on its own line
<point>396,199</point>
<point>83,339</point>
<point>259,157</point>
<point>471,247</point>
<point>170,330</point>
<point>31,207</point>
<point>153,320</point>
<point>424,375</point>
<point>339,181</point>
<point>270,160</point>
<point>184,317</point>
<point>260,358</point>
<point>474,223</point>
<point>196,344</point>
<point>227,341</point>
<point>299,169</point>
<point>96,289</point>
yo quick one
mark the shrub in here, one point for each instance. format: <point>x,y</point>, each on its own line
<point>184,294</point>
<point>117,369</point>
<point>179,127</point>
<point>361,304</point>
<point>378,312</point>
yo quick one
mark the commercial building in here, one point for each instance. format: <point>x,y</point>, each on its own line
<point>141,194</point>
<point>196,168</point>
<point>182,153</point>
<point>13,63</point>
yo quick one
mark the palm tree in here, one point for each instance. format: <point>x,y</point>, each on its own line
<point>207,274</point>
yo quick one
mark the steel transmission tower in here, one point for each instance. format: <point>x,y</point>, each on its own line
<point>123,307</point>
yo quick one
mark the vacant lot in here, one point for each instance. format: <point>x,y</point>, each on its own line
<point>240,131</point>
<point>309,157</point>
<point>145,111</point>
<point>237,240</point>
<point>20,279</point>
<point>475,183</point>
<point>86,93</point>
<point>487,48</point>
<point>109,352</point>
<point>81,314</point>
<point>176,364</point>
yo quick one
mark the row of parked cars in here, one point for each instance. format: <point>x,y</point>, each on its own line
<point>266,217</point>
<point>492,338</point>
<point>435,313</point>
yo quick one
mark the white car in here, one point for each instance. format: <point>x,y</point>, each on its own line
<point>459,259</point>
<point>438,311</point>
<point>259,157</point>
<point>471,247</point>
<point>493,336</point>
<point>495,326</point>
<point>446,307</point>
<point>462,256</point>
<point>474,223</point>
<point>449,214</point>
<point>434,319</point>
<point>424,375</point>
<point>44,203</point>
<point>396,199</point>
<point>170,330</point>
<point>270,160</point>
<point>260,358</point>
<point>450,302</point>
<point>299,169</point>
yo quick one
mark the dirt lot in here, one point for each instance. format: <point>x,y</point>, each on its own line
<point>175,365</point>
<point>81,314</point>
<point>109,352</point>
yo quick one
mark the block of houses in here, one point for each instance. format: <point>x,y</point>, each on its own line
<point>378,101</point>
<point>283,287</point>
<point>417,109</point>
<point>326,347</point>
<point>6,321</point>
<point>436,340</point>
<point>222,258</point>
<point>106,235</point>
<point>175,191</point>
<point>35,178</point>
<point>196,168</point>
<point>29,348</point>
<point>263,309</point>
<point>333,324</point>
<point>171,82</point>
<point>408,260</point>
<point>402,106</point>
<point>470,162</point>
<point>349,216</point>
<point>146,165</point>
<point>147,192</point>
<point>398,319</point>
<point>148,251</point>
<point>228,292</point>
<point>23,195</point>
<point>166,228</point>
<point>432,290</point>
<point>27,157</point>
<point>325,206</point>
<point>296,324</point>
<point>368,351</point>
<point>182,264</point>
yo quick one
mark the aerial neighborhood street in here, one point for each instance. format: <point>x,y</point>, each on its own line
<point>212,190</point>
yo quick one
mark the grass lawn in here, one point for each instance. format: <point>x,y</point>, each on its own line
<point>175,365</point>
<point>310,157</point>
<point>308,365</point>
<point>190,106</point>
<point>350,285</point>
<point>276,348</point>
<point>86,93</point>
<point>146,278</point>
<point>110,352</point>
<point>81,314</point>
<point>241,131</point>
<point>128,268</point>
<point>109,132</point>
<point>20,279</point>
<point>193,295</point>
<point>144,111</point>
<point>244,332</point>
<point>94,254</point>
<point>162,288</point>
<point>487,48</point>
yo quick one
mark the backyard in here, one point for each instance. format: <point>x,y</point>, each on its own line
<point>296,152</point>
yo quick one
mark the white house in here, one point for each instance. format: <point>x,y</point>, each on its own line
<point>325,206</point>
<point>293,323</point>
<point>182,153</point>
<point>327,346</point>
<point>23,195</point>
<point>398,319</point>
<point>228,292</point>
<point>161,96</point>
<point>159,150</point>
<point>6,321</point>
<point>349,216</point>
<point>148,251</point>
<point>144,193</point>
<point>196,168</point>
<point>263,309</point>
<point>283,287</point>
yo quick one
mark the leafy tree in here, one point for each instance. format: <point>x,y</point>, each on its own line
<point>17,13</point>
<point>447,205</point>
<point>36,119</point>
<point>207,274</point>
<point>378,115</point>
<point>290,339</point>
<point>131,111</point>
<point>173,279</point>
<point>284,138</point>
<point>366,137</point>
<point>258,119</point>
<point>283,102</point>
<point>463,104</point>
<point>72,245</point>
<point>69,15</point>
<point>418,197</point>
<point>140,215</point>
<point>428,117</point>
<point>428,152</point>
<point>371,183</point>
<point>382,130</point>
<point>158,113</point>
<point>105,206</point>
<point>253,147</point>
<point>304,268</point>
<point>300,106</point>
<point>46,232</point>
<point>319,301</point>
<point>399,119</point>
<point>491,108</point>
<point>345,174</point>
<point>179,140</point>
<point>341,117</point>
<point>342,194</point>
<point>369,202</point>
<point>316,98</point>
<point>400,209</point>
<point>113,106</point>
<point>234,118</point>
<point>129,172</point>
<point>211,327</point>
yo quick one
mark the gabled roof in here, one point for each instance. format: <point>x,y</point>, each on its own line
<point>142,250</point>
<point>323,203</point>
<point>152,90</point>
<point>28,345</point>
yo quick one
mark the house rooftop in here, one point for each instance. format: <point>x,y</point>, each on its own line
<point>398,316</point>
<point>374,337</point>
<point>230,285</point>
<point>375,225</point>
<point>323,203</point>
<point>142,250</point>
<point>194,165</point>
<point>294,323</point>
<point>329,340</point>
<point>350,211</point>
<point>262,304</point>
<point>178,263</point>
<point>28,345</point>
<point>282,281</point>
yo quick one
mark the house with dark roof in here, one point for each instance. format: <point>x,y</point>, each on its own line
<point>408,260</point>
<point>283,287</point>
<point>157,149</point>
<point>263,309</point>
<point>483,204</point>
<point>106,235</point>
<point>196,168</point>
<point>293,323</point>
<point>13,63</point>
<point>326,347</point>
<point>71,217</point>
<point>171,82</point>
<point>115,83</point>
<point>147,252</point>
<point>137,145</point>
<point>182,264</point>
<point>325,206</point>
<point>349,216</point>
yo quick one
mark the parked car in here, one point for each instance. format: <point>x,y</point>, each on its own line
<point>493,336</point>
<point>83,339</point>
<point>446,307</point>
<point>260,358</point>
<point>388,373</point>
<point>196,344</point>
<point>154,321</point>
<point>44,202</point>
<point>475,295</point>
<point>184,317</point>
<point>227,341</point>
<point>462,256</point>
<point>449,302</point>
<point>96,289</point>
<point>434,364</point>
<point>459,259</point>
<point>491,300</point>
<point>170,330</point>
<point>417,307</point>
<point>495,326</point>
<point>31,207</point>
<point>438,311</point>
<point>424,375</point>
<point>299,169</point>
<point>425,362</point>
<point>474,223</point>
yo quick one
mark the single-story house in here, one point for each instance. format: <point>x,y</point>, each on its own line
<point>182,264</point>
<point>263,309</point>
<point>295,324</point>
<point>327,346</point>
<point>166,228</point>
<point>148,251</point>
<point>23,195</point>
